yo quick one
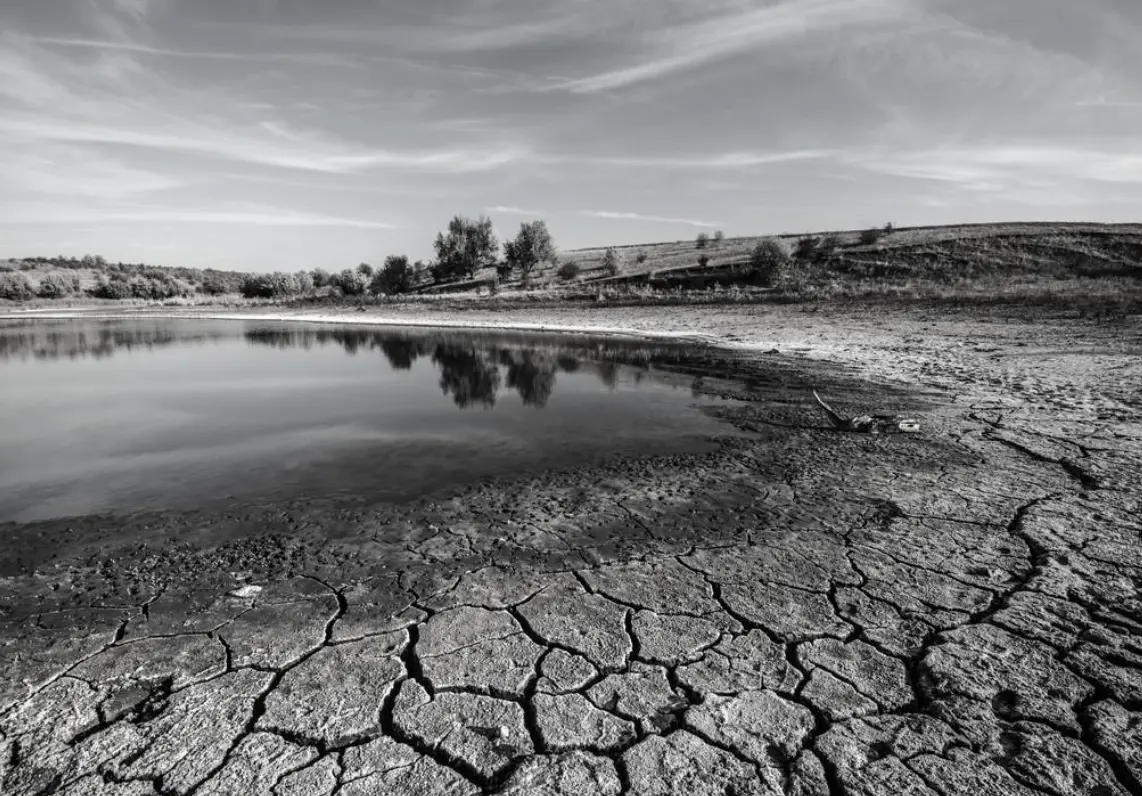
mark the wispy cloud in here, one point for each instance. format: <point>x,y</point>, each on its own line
<point>687,46</point>
<point>640,217</point>
<point>30,214</point>
<point>514,211</point>
<point>1007,166</point>
<point>729,160</point>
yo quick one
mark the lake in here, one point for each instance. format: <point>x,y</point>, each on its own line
<point>114,416</point>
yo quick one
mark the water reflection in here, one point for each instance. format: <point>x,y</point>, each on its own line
<point>474,367</point>
<point>45,340</point>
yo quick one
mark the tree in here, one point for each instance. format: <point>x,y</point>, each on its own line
<point>719,236</point>
<point>365,270</point>
<point>770,261</point>
<point>394,277</point>
<point>57,285</point>
<point>807,247</point>
<point>702,241</point>
<point>321,278</point>
<point>352,283</point>
<point>214,285</point>
<point>466,247</point>
<point>611,262</point>
<point>703,261</point>
<point>532,246</point>
<point>569,270</point>
<point>304,282</point>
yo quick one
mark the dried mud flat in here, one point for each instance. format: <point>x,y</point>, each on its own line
<point>797,611</point>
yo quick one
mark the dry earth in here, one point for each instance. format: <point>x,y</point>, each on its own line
<point>798,612</point>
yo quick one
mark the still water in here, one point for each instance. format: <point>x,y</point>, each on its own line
<point>121,416</point>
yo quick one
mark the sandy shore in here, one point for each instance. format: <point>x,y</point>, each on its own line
<point>797,612</point>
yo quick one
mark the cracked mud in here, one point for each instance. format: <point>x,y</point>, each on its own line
<point>798,612</point>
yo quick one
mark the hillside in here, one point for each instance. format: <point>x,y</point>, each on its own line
<point>939,262</point>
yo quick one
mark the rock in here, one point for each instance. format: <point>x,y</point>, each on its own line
<point>1119,731</point>
<point>245,592</point>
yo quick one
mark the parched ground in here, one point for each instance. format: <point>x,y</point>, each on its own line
<point>798,611</point>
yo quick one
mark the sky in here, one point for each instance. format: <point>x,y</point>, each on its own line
<point>287,134</point>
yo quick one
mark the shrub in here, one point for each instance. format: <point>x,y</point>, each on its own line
<point>269,286</point>
<point>569,270</point>
<point>214,286</point>
<point>719,236</point>
<point>806,248</point>
<point>702,241</point>
<point>321,278</point>
<point>640,258</point>
<point>611,262</point>
<point>703,260</point>
<point>15,287</point>
<point>770,261</point>
<point>828,246</point>
<point>870,236</point>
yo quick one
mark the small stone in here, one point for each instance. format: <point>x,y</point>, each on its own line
<point>245,592</point>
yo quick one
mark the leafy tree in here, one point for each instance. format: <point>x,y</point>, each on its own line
<point>304,282</point>
<point>352,283</point>
<point>466,247</point>
<point>532,246</point>
<point>611,261</point>
<point>365,270</point>
<point>770,261</point>
<point>115,288</point>
<point>213,285</point>
<point>321,278</point>
<point>702,241</point>
<point>719,236</point>
<point>394,277</point>
<point>15,287</point>
<point>56,285</point>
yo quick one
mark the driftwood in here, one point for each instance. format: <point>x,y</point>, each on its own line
<point>870,424</point>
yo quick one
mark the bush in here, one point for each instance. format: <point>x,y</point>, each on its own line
<point>828,246</point>
<point>871,236</point>
<point>770,261</point>
<point>702,241</point>
<point>15,287</point>
<point>640,258</point>
<point>703,260</point>
<point>719,236</point>
<point>806,248</point>
<point>611,262</point>
<point>569,270</point>
<point>269,286</point>
<point>214,286</point>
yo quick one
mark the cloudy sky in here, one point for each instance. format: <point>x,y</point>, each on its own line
<point>270,134</point>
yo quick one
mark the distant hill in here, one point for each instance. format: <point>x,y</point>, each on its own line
<point>84,274</point>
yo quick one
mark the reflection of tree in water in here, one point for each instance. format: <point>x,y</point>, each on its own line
<point>401,352</point>
<point>608,373</point>
<point>568,363</point>
<point>79,340</point>
<point>531,373</point>
<point>466,375</point>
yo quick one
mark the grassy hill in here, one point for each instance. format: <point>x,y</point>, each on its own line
<point>1000,262</point>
